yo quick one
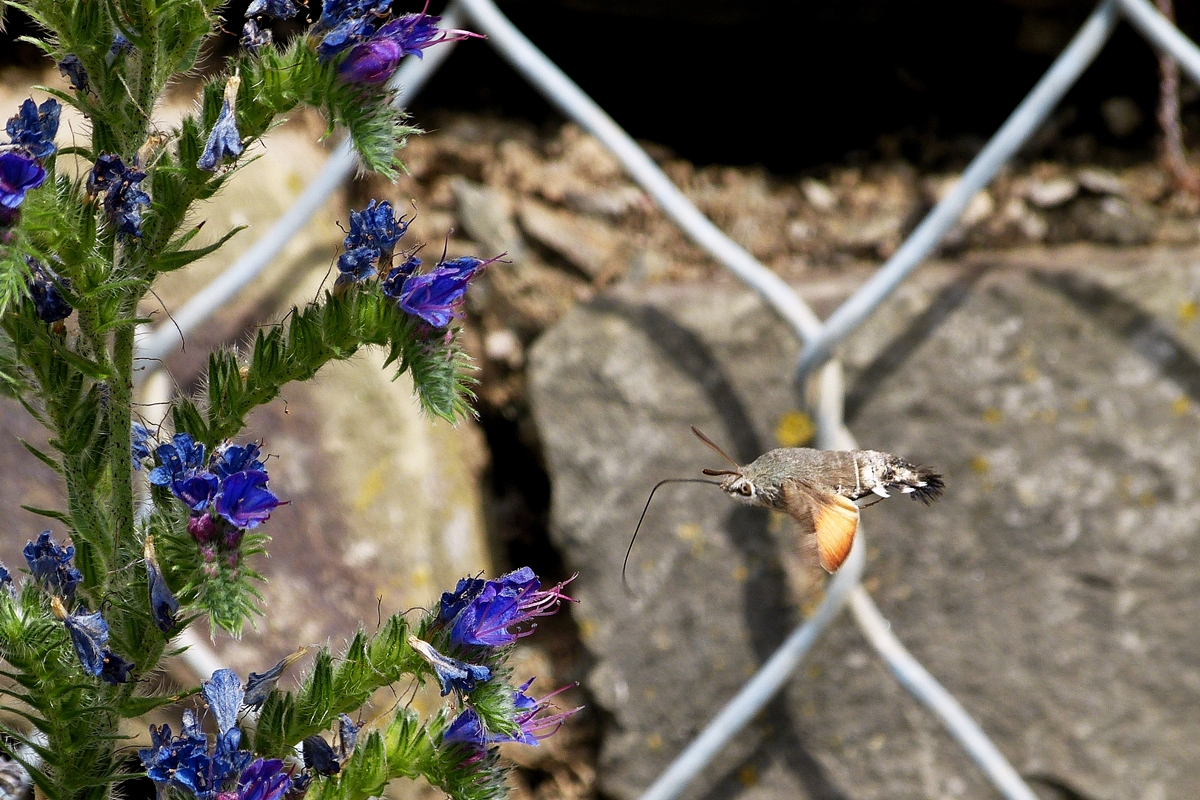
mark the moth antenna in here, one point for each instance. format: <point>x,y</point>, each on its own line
<point>719,451</point>
<point>642,518</point>
<point>716,472</point>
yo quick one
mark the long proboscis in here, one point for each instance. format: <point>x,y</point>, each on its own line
<point>641,519</point>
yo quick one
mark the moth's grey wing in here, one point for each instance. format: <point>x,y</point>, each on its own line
<point>830,519</point>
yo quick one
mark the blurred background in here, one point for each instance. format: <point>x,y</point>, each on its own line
<point>1047,360</point>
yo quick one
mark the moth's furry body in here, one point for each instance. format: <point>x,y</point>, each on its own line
<point>853,474</point>
<point>819,489</point>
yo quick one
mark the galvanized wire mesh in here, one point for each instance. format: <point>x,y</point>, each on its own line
<point>819,338</point>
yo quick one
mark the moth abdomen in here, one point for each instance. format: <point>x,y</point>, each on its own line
<point>884,473</point>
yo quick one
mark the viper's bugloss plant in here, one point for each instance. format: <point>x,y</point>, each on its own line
<point>109,587</point>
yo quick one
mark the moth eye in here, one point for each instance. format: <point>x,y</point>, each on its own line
<point>746,489</point>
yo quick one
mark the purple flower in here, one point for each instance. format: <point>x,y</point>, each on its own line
<point>123,200</point>
<point>452,674</point>
<point>260,684</point>
<point>393,283</point>
<point>376,59</point>
<point>486,612</point>
<point>18,174</point>
<point>434,296</point>
<point>279,9</point>
<point>6,582</point>
<point>244,500</point>
<point>264,779</point>
<point>51,566</point>
<point>45,291</point>
<point>72,69</point>
<point>532,725</point>
<point>163,604</point>
<point>255,38</point>
<point>224,141</point>
<point>34,127</point>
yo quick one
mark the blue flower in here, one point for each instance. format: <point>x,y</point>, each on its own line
<point>34,127</point>
<point>232,458</point>
<point>346,22</point>
<point>18,174</point>
<point>264,779</point>
<point>452,674</point>
<point>376,226</point>
<point>167,756</point>
<point>89,634</point>
<point>254,38</point>
<point>375,60</point>
<point>188,763</point>
<point>163,604</point>
<point>72,69</point>
<point>123,200</point>
<point>260,684</point>
<point>224,141</point>
<point>347,736</point>
<point>45,291</point>
<point>223,693</point>
<point>120,45</point>
<point>6,582</point>
<point>244,501</point>
<point>355,266</point>
<point>139,445</point>
<point>115,670</point>
<point>487,612</point>
<point>279,9</point>
<point>319,756</point>
<point>393,283</point>
<point>532,725</point>
<point>51,565</point>
<point>434,296</point>
<point>181,469</point>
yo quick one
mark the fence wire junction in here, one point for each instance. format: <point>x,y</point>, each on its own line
<point>818,337</point>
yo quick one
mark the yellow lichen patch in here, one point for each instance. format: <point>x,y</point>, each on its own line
<point>1179,406</point>
<point>372,485</point>
<point>991,415</point>
<point>748,775</point>
<point>1146,499</point>
<point>1030,374</point>
<point>794,429</point>
<point>688,532</point>
<point>1188,310</point>
<point>980,464</point>
<point>654,741</point>
<point>587,629</point>
<point>1082,405</point>
<point>740,573</point>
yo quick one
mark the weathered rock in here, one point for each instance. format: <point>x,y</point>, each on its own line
<point>1115,220</point>
<point>590,246</point>
<point>1051,591</point>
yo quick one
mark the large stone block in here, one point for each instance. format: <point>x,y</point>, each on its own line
<point>1052,590</point>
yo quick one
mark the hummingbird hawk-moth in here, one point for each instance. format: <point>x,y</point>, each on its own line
<point>819,489</point>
